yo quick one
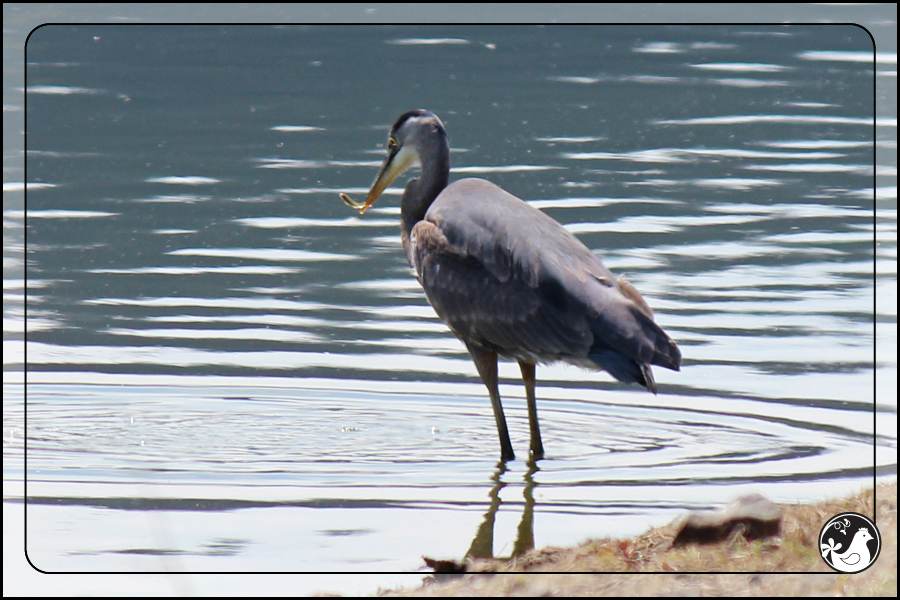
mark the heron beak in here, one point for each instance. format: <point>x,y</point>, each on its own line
<point>396,162</point>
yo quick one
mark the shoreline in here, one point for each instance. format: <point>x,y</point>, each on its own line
<point>788,564</point>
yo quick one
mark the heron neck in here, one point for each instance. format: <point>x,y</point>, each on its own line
<point>421,192</point>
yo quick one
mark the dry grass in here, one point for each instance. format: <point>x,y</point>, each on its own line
<point>788,565</point>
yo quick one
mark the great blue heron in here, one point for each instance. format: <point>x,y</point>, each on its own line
<point>510,281</point>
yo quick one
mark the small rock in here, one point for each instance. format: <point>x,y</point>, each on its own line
<point>754,516</point>
<point>445,567</point>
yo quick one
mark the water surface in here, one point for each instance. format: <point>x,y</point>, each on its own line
<point>229,370</point>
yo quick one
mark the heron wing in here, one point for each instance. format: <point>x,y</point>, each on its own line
<point>503,314</point>
<point>504,275</point>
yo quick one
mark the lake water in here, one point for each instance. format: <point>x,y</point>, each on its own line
<point>229,370</point>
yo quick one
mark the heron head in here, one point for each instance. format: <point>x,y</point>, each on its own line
<point>413,138</point>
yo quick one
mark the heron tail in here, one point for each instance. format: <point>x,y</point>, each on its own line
<point>627,350</point>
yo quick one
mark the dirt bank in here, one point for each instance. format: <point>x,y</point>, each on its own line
<point>648,565</point>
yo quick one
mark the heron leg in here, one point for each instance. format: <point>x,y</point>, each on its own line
<point>537,447</point>
<point>486,363</point>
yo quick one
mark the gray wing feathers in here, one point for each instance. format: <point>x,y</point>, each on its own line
<point>506,315</point>
<point>503,274</point>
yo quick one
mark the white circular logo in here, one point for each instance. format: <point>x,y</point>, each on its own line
<point>849,543</point>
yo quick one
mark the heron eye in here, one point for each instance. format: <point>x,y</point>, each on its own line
<point>392,143</point>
